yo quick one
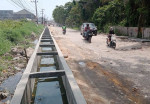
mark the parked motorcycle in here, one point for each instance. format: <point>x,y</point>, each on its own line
<point>88,36</point>
<point>64,31</point>
<point>111,41</point>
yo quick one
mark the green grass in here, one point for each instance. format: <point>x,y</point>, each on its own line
<point>8,58</point>
<point>15,33</point>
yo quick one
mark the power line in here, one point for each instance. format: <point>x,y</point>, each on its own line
<point>21,5</point>
<point>24,4</point>
<point>16,3</point>
<point>12,3</point>
<point>28,5</point>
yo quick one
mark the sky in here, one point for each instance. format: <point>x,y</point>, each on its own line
<point>47,5</point>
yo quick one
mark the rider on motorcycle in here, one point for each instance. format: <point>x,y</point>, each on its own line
<point>111,31</point>
<point>86,30</point>
<point>64,28</point>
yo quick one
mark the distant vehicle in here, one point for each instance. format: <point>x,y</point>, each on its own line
<point>92,27</point>
<point>64,31</point>
<point>89,35</point>
<point>111,41</point>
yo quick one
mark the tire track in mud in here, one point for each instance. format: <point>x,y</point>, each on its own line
<point>132,94</point>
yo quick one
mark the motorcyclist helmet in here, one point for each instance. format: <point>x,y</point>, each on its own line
<point>111,28</point>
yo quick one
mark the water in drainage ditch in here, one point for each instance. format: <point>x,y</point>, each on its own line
<point>46,49</point>
<point>49,68</point>
<point>46,43</point>
<point>49,90</point>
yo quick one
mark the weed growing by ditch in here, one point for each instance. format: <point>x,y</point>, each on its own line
<point>15,33</point>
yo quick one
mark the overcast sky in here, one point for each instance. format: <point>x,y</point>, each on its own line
<point>48,5</point>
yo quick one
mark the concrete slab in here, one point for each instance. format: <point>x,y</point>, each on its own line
<point>50,45</point>
<point>57,73</point>
<point>48,53</point>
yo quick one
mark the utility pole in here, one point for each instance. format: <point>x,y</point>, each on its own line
<point>44,20</point>
<point>42,12</point>
<point>36,10</point>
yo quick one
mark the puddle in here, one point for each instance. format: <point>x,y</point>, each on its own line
<point>11,83</point>
<point>9,86</point>
<point>7,100</point>
<point>83,64</point>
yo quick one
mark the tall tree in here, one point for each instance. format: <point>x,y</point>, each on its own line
<point>59,14</point>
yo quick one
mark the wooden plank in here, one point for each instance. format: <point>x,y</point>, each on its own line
<point>48,53</point>
<point>57,73</point>
<point>50,45</point>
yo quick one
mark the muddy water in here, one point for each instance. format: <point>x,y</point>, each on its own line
<point>49,89</point>
<point>11,82</point>
<point>9,85</point>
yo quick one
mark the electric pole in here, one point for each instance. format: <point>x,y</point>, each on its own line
<point>36,10</point>
<point>42,12</point>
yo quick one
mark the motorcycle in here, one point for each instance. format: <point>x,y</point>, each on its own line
<point>88,36</point>
<point>111,41</point>
<point>64,31</point>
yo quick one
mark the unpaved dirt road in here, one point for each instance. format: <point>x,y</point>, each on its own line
<point>105,75</point>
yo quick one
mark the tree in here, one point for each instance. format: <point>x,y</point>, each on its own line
<point>59,14</point>
<point>109,14</point>
<point>74,17</point>
<point>105,13</point>
<point>138,14</point>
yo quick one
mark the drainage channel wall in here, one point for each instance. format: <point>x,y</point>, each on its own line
<point>73,91</point>
<point>24,89</point>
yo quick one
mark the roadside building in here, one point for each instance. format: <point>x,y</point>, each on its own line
<point>24,14</point>
<point>6,14</point>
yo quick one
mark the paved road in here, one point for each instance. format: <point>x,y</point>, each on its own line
<point>105,75</point>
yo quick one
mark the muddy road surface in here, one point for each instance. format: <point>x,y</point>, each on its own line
<point>105,75</point>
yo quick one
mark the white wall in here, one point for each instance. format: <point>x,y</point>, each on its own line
<point>133,31</point>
